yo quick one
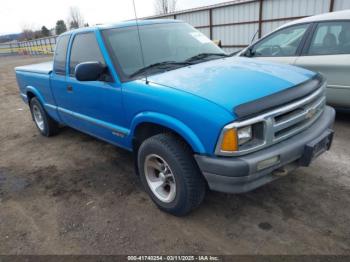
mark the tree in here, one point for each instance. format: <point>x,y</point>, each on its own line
<point>38,34</point>
<point>73,25</point>
<point>44,31</point>
<point>165,6</point>
<point>60,27</point>
<point>27,32</point>
<point>75,18</point>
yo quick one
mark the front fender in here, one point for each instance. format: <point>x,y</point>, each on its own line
<point>169,122</point>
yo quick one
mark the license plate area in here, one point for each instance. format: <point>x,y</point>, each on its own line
<point>317,147</point>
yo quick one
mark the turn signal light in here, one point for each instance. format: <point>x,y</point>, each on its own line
<point>230,141</point>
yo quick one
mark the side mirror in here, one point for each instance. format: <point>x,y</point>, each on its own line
<point>248,52</point>
<point>89,71</point>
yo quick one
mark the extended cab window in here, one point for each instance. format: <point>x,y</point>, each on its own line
<point>331,38</point>
<point>84,49</point>
<point>60,55</point>
<point>284,42</point>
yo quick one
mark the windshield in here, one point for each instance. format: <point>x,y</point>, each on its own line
<point>171,42</point>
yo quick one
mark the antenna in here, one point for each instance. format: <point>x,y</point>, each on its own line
<point>251,41</point>
<point>139,35</point>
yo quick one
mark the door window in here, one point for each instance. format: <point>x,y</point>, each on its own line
<point>60,55</point>
<point>284,42</point>
<point>331,38</point>
<point>84,49</point>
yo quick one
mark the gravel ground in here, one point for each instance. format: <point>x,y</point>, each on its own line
<point>73,194</point>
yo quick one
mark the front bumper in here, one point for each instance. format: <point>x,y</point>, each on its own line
<point>241,174</point>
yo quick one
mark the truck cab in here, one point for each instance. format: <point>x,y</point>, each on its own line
<point>194,116</point>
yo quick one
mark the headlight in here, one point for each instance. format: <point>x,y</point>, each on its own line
<point>244,134</point>
<point>235,138</point>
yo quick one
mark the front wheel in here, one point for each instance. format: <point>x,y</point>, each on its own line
<point>170,174</point>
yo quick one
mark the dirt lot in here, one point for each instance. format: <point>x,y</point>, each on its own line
<point>73,194</point>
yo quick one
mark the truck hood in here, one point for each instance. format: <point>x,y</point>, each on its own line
<point>230,82</point>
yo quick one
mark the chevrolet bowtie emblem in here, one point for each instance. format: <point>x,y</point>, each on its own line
<point>311,113</point>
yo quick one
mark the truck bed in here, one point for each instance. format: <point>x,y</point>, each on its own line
<point>42,68</point>
<point>35,79</point>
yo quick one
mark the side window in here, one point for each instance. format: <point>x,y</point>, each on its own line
<point>331,38</point>
<point>284,42</point>
<point>60,55</point>
<point>84,49</point>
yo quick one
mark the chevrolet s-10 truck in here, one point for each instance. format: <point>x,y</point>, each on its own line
<point>194,116</point>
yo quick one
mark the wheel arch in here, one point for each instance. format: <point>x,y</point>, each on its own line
<point>33,92</point>
<point>148,124</point>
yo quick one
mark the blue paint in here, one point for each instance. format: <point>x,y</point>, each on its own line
<point>195,101</point>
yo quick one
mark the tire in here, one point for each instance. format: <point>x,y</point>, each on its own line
<point>45,124</point>
<point>181,174</point>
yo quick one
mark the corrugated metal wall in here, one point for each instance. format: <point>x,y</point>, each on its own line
<point>341,5</point>
<point>236,13</point>
<point>235,22</point>
<point>195,18</point>
<point>273,9</point>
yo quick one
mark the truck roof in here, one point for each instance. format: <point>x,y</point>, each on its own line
<point>128,23</point>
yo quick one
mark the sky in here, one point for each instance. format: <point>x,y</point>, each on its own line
<point>33,14</point>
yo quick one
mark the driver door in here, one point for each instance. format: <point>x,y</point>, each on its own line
<point>282,46</point>
<point>94,107</point>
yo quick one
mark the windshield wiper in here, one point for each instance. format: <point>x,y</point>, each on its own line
<point>202,56</point>
<point>160,65</point>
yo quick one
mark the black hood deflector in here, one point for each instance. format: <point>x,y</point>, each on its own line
<point>291,94</point>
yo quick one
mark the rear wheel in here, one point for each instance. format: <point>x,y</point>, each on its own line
<point>45,124</point>
<point>170,174</point>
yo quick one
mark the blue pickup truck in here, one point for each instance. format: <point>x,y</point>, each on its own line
<point>194,116</point>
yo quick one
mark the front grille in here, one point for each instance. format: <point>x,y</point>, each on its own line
<point>282,122</point>
<point>298,118</point>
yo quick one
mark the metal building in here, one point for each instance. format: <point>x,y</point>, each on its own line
<point>235,22</point>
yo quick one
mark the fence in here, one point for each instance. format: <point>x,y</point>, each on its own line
<point>234,23</point>
<point>41,46</point>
